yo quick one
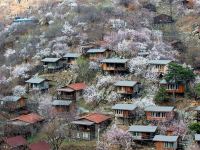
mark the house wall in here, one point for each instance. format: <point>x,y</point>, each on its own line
<point>124,116</point>
<point>71,61</point>
<point>114,67</point>
<point>81,132</point>
<point>169,116</point>
<point>124,90</point>
<point>160,146</point>
<point>61,109</point>
<point>143,136</point>
<point>159,68</point>
<point>67,95</point>
<point>5,146</point>
<point>97,56</point>
<point>180,90</point>
<point>41,86</point>
<point>54,65</point>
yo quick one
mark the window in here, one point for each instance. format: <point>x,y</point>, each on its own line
<point>78,135</point>
<point>172,86</point>
<point>136,133</point>
<point>169,144</point>
<point>158,114</point>
<point>119,111</point>
<point>85,135</point>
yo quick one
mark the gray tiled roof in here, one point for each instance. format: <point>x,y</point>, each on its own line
<point>163,81</point>
<point>159,108</point>
<point>61,103</point>
<point>72,55</point>
<point>83,122</point>
<point>165,138</point>
<point>140,128</point>
<point>11,98</point>
<point>50,59</point>
<point>197,137</point>
<point>197,108</point>
<point>96,50</point>
<point>114,60</point>
<point>35,80</point>
<point>124,107</point>
<point>160,62</point>
<point>126,83</point>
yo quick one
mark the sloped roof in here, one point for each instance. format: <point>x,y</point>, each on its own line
<point>35,80</point>
<point>163,81</point>
<point>126,83</point>
<point>29,118</point>
<point>165,138</point>
<point>197,137</point>
<point>141,128</point>
<point>124,107</point>
<point>96,117</point>
<point>77,86</point>
<point>50,59</point>
<point>197,108</point>
<point>15,141</point>
<point>159,62</point>
<point>114,60</point>
<point>41,145</point>
<point>159,108</point>
<point>61,103</point>
<point>96,50</point>
<point>72,55</point>
<point>11,98</point>
<point>83,122</point>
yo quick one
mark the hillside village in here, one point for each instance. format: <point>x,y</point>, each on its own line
<point>100,75</point>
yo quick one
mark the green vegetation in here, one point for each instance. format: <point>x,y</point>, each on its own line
<point>161,95</point>
<point>197,90</point>
<point>195,127</point>
<point>178,73</point>
<point>84,73</point>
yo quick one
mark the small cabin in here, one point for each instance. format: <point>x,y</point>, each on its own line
<point>71,58</point>
<point>197,138</point>
<point>72,91</point>
<point>159,113</point>
<point>14,143</point>
<point>37,84</point>
<point>98,54</point>
<point>52,64</point>
<point>114,65</point>
<point>60,106</point>
<point>197,109</point>
<point>159,66</point>
<point>163,142</point>
<point>172,87</point>
<point>127,88</point>
<point>12,103</point>
<point>89,127</point>
<point>27,124</point>
<point>124,113</point>
<point>143,133</point>
<point>41,145</point>
<point>163,19</point>
<point>188,3</point>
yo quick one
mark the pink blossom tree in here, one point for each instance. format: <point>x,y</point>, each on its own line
<point>115,136</point>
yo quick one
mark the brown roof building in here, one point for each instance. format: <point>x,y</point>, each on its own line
<point>41,145</point>
<point>14,143</point>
